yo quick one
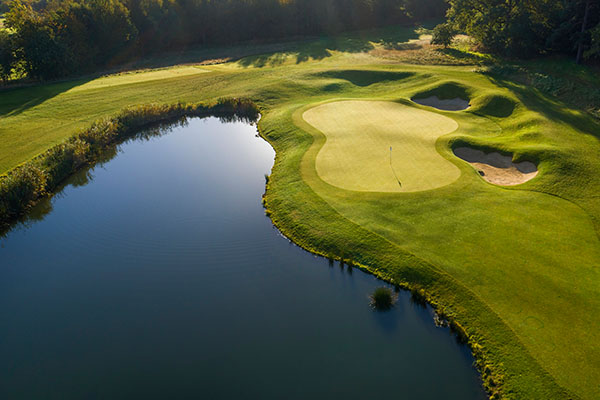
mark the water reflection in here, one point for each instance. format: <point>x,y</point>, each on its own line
<point>156,272</point>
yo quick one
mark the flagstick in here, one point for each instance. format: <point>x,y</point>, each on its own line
<point>392,167</point>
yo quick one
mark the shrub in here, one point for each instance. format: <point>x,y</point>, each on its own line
<point>7,55</point>
<point>19,189</point>
<point>443,34</point>
<point>383,298</point>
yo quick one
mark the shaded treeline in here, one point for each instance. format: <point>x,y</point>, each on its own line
<point>24,185</point>
<point>528,28</point>
<point>55,38</point>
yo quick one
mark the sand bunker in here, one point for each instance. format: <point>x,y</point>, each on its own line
<point>456,104</point>
<point>497,168</point>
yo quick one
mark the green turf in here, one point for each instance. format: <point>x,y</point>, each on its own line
<point>518,268</point>
<point>381,146</point>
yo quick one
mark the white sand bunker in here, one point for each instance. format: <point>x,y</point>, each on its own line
<point>497,168</point>
<point>456,104</point>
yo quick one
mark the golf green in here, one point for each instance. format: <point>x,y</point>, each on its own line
<point>381,146</point>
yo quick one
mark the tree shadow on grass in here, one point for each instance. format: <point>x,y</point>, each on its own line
<point>318,49</point>
<point>551,107</point>
<point>14,101</point>
<point>324,47</point>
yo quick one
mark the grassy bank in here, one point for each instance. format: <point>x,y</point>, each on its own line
<point>515,269</point>
<point>25,184</point>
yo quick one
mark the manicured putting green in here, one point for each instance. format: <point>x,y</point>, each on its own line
<point>356,154</point>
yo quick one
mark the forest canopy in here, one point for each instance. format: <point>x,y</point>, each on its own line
<point>48,39</point>
<point>56,38</point>
<point>526,28</point>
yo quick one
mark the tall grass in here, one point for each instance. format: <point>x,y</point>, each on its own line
<point>382,299</point>
<point>24,185</point>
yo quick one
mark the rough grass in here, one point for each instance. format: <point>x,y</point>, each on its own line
<point>356,155</point>
<point>515,270</point>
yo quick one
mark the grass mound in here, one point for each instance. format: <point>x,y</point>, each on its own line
<point>445,91</point>
<point>495,106</point>
<point>366,77</point>
<point>446,105</point>
<point>332,88</point>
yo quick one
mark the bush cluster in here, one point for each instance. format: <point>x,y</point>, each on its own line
<point>528,28</point>
<point>382,298</point>
<point>57,38</point>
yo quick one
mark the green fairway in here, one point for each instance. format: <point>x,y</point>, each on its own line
<point>381,146</point>
<point>517,268</point>
<point>139,76</point>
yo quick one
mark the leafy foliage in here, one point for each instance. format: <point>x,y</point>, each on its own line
<point>443,34</point>
<point>594,50</point>
<point>7,55</point>
<point>64,37</point>
<point>525,28</point>
<point>382,299</point>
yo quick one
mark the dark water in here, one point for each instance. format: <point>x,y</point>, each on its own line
<point>163,279</point>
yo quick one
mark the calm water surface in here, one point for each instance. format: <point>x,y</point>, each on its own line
<point>158,276</point>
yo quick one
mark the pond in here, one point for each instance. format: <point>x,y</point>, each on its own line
<point>156,274</point>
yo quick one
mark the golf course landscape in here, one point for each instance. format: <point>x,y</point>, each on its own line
<point>367,171</point>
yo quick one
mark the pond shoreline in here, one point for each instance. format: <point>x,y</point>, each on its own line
<point>120,130</point>
<point>25,185</point>
<point>97,196</point>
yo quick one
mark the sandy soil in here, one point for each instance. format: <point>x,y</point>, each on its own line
<point>497,168</point>
<point>456,104</point>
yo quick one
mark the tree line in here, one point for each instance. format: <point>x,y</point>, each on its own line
<point>526,28</point>
<point>49,39</point>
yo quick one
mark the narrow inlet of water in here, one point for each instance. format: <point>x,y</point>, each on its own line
<point>157,275</point>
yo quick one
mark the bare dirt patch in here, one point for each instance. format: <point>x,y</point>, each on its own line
<point>497,168</point>
<point>456,104</point>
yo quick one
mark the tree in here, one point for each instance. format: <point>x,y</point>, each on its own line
<point>422,10</point>
<point>443,34</point>
<point>43,54</point>
<point>501,26</point>
<point>7,55</point>
<point>95,31</point>
<point>4,6</point>
<point>594,50</point>
<point>525,28</point>
<point>55,38</point>
<point>581,40</point>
